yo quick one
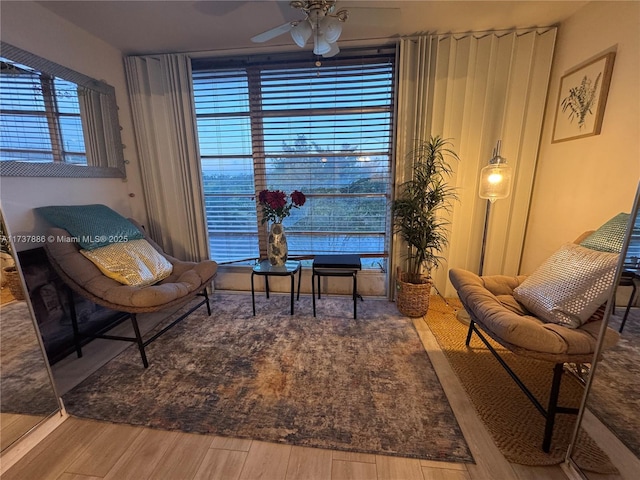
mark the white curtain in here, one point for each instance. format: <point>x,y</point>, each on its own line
<point>474,90</point>
<point>97,128</point>
<point>160,92</point>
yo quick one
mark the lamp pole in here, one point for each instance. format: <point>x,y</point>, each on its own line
<point>495,183</point>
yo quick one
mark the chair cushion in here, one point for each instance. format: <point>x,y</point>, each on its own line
<point>185,278</point>
<point>569,286</point>
<point>93,226</point>
<point>134,263</point>
<point>489,301</point>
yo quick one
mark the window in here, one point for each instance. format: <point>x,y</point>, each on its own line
<point>290,125</point>
<point>39,117</point>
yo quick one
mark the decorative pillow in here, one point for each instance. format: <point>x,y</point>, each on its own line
<point>569,286</point>
<point>134,263</point>
<point>610,236</point>
<point>93,225</point>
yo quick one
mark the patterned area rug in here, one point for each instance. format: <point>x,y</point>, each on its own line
<point>615,393</point>
<point>364,385</point>
<point>25,386</point>
<point>513,422</point>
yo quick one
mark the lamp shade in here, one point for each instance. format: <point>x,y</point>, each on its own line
<point>331,27</point>
<point>321,46</point>
<point>333,52</point>
<point>301,33</point>
<point>496,180</point>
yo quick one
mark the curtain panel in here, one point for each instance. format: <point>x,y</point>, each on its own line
<point>475,89</point>
<point>161,97</point>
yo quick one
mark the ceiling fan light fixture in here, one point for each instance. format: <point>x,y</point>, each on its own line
<point>321,46</point>
<point>333,52</point>
<point>332,28</point>
<point>301,33</point>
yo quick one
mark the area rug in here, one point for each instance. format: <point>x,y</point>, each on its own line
<point>615,393</point>
<point>364,385</point>
<point>25,386</point>
<point>515,425</point>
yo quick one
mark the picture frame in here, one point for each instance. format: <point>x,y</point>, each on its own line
<point>582,98</point>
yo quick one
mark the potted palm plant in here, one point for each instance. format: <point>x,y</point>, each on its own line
<point>417,219</point>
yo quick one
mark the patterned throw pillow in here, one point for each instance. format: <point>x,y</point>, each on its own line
<point>569,286</point>
<point>134,263</point>
<point>610,236</point>
<point>93,226</point>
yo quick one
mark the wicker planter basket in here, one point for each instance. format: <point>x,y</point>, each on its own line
<point>13,282</point>
<point>412,299</point>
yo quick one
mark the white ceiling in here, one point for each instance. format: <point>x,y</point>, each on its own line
<point>138,27</point>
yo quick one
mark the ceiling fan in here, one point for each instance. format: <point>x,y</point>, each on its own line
<point>320,22</point>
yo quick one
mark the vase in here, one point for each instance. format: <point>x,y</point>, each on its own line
<point>277,249</point>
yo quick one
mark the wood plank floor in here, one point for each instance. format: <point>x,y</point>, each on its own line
<point>89,450</point>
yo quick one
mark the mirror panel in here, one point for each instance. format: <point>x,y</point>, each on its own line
<point>28,392</point>
<point>56,122</point>
<point>610,411</point>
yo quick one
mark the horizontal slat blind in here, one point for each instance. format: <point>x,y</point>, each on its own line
<point>325,131</point>
<point>39,117</point>
<point>224,132</point>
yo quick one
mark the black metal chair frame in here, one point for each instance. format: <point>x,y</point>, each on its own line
<point>628,279</point>
<point>78,336</point>
<point>552,407</point>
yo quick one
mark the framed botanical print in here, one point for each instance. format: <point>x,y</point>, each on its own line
<point>582,99</point>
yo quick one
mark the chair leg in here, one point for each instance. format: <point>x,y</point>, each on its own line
<point>74,323</point>
<point>136,329</point>
<point>551,409</point>
<point>626,312</point>
<point>206,297</point>
<point>469,332</point>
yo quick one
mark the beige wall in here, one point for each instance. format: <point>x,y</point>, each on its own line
<point>32,27</point>
<point>580,184</point>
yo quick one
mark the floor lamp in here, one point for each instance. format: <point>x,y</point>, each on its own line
<point>495,183</point>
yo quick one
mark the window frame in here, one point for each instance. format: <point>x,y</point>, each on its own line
<point>253,66</point>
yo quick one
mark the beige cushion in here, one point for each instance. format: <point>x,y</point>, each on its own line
<point>185,278</point>
<point>490,302</point>
<point>134,263</point>
<point>569,286</point>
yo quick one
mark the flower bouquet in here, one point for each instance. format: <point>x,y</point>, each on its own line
<point>275,206</point>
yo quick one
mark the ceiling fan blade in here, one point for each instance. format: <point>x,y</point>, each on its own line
<point>273,33</point>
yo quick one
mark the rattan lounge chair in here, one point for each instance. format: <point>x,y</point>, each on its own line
<point>187,280</point>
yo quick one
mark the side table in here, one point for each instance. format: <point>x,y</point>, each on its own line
<point>336,266</point>
<point>265,269</point>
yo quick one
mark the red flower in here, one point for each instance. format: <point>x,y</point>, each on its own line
<point>276,199</point>
<point>298,198</point>
<point>274,204</point>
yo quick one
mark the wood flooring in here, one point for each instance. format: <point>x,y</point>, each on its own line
<point>90,450</point>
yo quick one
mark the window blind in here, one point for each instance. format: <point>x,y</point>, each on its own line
<point>39,117</point>
<point>323,130</point>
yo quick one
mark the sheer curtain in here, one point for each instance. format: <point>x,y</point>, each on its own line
<point>160,92</point>
<point>475,89</point>
<point>97,128</point>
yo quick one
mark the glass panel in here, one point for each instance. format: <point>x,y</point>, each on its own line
<point>324,131</point>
